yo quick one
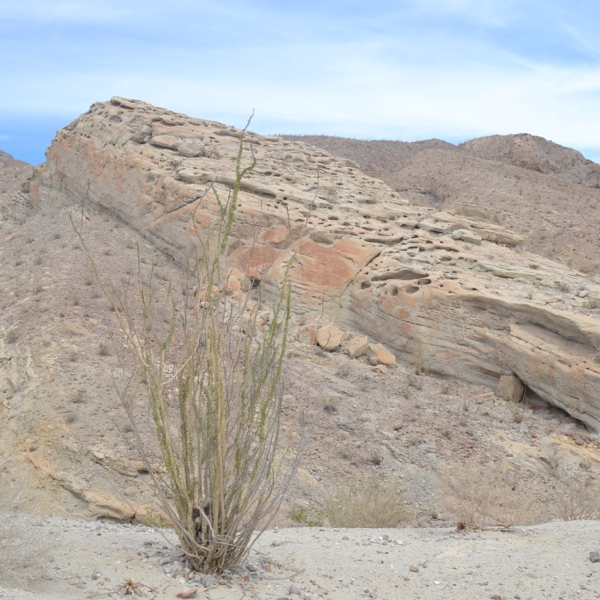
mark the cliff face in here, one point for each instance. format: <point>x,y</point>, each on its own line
<point>448,293</point>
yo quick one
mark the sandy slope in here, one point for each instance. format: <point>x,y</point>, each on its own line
<point>94,560</point>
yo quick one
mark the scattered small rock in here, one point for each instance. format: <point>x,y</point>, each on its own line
<point>595,556</point>
<point>209,581</point>
<point>294,590</point>
<point>189,592</point>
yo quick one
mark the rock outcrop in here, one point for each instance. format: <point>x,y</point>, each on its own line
<point>537,188</point>
<point>445,292</point>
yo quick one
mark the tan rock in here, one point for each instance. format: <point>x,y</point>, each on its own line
<point>234,281</point>
<point>358,346</point>
<point>307,334</point>
<point>330,337</point>
<point>510,388</point>
<point>101,503</point>
<point>466,236</point>
<point>190,148</point>
<point>378,354</point>
<point>204,293</point>
<point>105,505</point>
<point>164,141</point>
<point>233,284</point>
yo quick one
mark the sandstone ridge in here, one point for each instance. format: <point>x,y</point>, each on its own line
<point>538,188</point>
<point>443,291</point>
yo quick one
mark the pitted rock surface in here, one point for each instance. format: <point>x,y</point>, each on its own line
<point>546,192</point>
<point>446,292</point>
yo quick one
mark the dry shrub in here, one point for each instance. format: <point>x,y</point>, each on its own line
<point>580,501</point>
<point>372,504</point>
<point>213,376</point>
<point>591,303</point>
<point>517,409</point>
<point>415,381</point>
<point>476,496</point>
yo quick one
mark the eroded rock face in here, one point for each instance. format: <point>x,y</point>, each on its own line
<point>526,183</point>
<point>445,292</point>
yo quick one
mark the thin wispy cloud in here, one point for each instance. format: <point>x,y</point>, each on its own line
<point>407,69</point>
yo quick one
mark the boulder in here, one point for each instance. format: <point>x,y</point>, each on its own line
<point>358,346</point>
<point>330,337</point>
<point>510,388</point>
<point>378,354</point>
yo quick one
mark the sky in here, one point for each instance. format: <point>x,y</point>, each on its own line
<point>370,69</point>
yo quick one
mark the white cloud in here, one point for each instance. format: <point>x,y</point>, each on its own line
<point>495,13</point>
<point>42,11</point>
<point>410,70</point>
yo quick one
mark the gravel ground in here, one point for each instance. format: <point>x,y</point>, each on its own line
<point>96,560</point>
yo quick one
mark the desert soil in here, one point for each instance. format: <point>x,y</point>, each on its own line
<point>102,560</point>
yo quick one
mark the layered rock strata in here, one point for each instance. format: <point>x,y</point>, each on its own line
<point>447,293</point>
<point>531,185</point>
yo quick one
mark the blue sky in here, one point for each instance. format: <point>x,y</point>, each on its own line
<point>378,69</point>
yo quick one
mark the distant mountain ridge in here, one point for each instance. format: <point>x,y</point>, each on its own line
<point>536,154</point>
<point>13,173</point>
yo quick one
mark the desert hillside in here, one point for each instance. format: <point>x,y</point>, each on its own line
<point>548,193</point>
<point>430,351</point>
<point>13,175</point>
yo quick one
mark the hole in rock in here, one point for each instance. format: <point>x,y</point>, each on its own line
<point>402,274</point>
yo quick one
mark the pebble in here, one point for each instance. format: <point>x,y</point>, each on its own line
<point>294,590</point>
<point>595,556</point>
<point>209,581</point>
<point>172,568</point>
